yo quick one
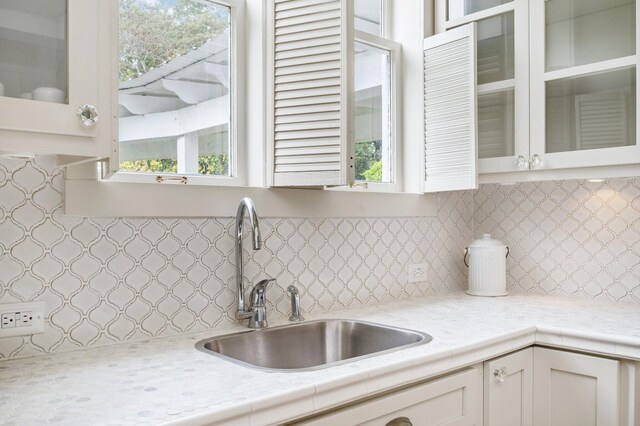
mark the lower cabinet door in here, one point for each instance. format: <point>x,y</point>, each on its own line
<point>508,390</point>
<point>575,390</point>
<point>452,400</point>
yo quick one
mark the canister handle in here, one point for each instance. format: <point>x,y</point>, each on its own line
<point>466,253</point>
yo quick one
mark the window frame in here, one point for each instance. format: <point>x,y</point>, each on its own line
<point>395,62</point>
<point>237,124</point>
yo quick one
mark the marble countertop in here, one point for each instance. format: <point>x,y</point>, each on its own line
<point>167,381</point>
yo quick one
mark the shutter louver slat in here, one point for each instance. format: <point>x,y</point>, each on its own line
<point>299,22</point>
<point>450,110</point>
<point>310,84</point>
<point>309,93</point>
<point>304,126</point>
<point>304,27</point>
<point>317,9</point>
<point>288,5</point>
<point>286,41</point>
<point>300,118</point>
<point>311,142</point>
<point>306,52</point>
<point>307,68</point>
<point>331,102</point>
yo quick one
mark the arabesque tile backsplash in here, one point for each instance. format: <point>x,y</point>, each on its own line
<point>105,281</point>
<point>567,238</point>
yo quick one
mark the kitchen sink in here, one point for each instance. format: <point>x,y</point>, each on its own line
<point>311,345</point>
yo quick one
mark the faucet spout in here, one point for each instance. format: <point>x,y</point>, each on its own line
<point>246,206</point>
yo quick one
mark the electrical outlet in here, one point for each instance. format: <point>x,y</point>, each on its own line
<point>21,319</point>
<point>418,272</point>
<point>8,320</point>
<point>25,319</point>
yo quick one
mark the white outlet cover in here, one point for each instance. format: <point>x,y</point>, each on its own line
<point>37,325</point>
<point>418,272</point>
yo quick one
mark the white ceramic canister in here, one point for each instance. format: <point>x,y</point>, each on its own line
<point>487,262</point>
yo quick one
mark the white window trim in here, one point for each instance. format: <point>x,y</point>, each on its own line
<point>395,58</point>
<point>87,195</point>
<point>237,132</point>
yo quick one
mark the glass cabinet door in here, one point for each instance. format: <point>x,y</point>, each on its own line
<point>48,66</point>
<point>583,83</point>
<point>502,78</point>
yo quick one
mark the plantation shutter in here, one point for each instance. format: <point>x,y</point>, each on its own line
<point>309,96</point>
<point>450,135</point>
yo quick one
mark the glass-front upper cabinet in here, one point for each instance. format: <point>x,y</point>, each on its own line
<point>502,77</point>
<point>583,83</point>
<point>49,75</point>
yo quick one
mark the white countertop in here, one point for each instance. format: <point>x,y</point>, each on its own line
<point>166,380</point>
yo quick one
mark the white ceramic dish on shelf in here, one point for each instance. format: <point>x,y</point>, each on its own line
<point>49,94</point>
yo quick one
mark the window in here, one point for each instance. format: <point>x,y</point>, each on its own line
<point>175,78</point>
<point>376,63</point>
<point>368,16</point>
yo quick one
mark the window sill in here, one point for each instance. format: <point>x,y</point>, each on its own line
<point>92,198</point>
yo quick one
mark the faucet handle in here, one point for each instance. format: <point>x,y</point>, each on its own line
<point>259,292</point>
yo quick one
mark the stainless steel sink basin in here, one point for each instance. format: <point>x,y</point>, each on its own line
<point>311,345</point>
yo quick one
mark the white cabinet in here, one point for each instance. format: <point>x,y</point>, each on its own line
<point>450,131</point>
<point>502,77</point>
<point>575,390</point>
<point>454,400</point>
<point>533,386</point>
<point>546,387</point>
<point>583,83</point>
<point>508,390</point>
<point>53,61</point>
<point>556,84</point>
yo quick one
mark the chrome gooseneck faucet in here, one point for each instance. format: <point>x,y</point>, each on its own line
<point>256,314</point>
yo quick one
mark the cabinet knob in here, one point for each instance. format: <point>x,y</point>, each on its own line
<point>535,160</point>
<point>400,421</point>
<point>521,162</point>
<point>500,374</point>
<point>88,115</point>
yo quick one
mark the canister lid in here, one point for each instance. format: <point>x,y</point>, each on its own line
<point>487,241</point>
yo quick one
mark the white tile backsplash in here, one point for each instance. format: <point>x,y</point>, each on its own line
<point>112,280</point>
<point>106,281</point>
<point>567,238</point>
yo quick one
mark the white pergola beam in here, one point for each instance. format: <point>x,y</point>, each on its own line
<point>219,71</point>
<point>176,123</point>
<point>191,92</point>
<point>137,104</point>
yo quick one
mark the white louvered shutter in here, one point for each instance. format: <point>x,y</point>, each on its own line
<point>450,110</point>
<point>310,84</point>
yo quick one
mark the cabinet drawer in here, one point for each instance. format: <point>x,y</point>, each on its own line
<point>453,400</point>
